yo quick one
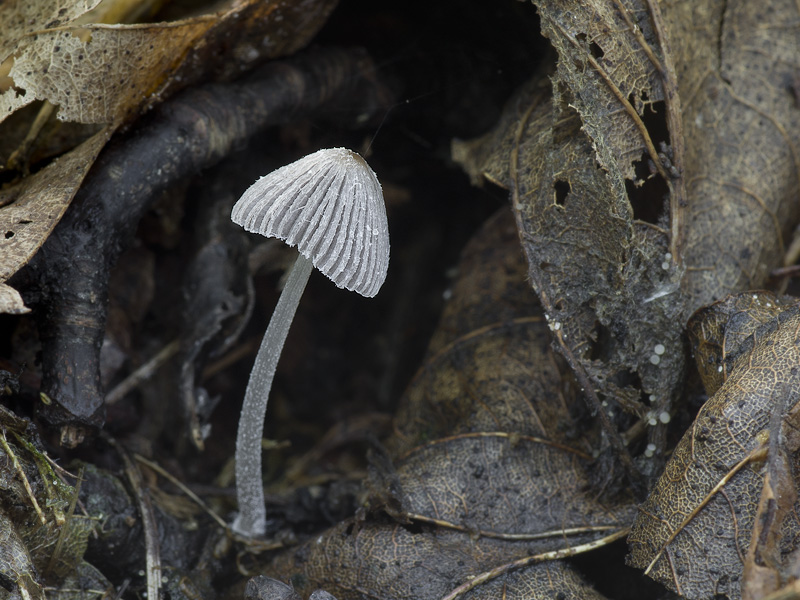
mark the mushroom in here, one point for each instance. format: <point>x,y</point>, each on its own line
<point>329,205</point>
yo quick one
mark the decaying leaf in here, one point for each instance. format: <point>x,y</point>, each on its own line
<point>32,208</point>
<point>718,332</point>
<point>391,561</point>
<point>737,72</point>
<point>110,73</point>
<point>488,463</point>
<point>103,79</point>
<point>656,179</point>
<point>20,18</point>
<point>10,301</point>
<point>694,531</point>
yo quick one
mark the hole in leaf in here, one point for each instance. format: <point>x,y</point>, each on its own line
<point>9,235</point>
<point>596,50</point>
<point>602,340</point>
<point>649,198</point>
<point>562,188</point>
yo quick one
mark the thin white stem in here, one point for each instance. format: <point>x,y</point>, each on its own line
<point>252,518</point>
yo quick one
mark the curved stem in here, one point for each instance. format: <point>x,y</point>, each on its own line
<point>252,518</point>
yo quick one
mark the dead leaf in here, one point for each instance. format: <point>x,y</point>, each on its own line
<point>741,122</point>
<point>110,73</point>
<point>103,79</point>
<point>762,573</point>
<point>15,562</point>
<point>638,192</point>
<point>489,465</point>
<point>717,332</point>
<point>33,207</point>
<point>11,302</point>
<point>694,530</point>
<point>21,18</point>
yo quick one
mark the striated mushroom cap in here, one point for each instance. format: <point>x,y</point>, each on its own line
<point>329,205</point>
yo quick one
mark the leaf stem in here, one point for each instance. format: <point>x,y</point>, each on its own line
<point>252,518</point>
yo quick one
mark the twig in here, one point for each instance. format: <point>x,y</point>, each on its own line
<point>62,536</point>
<point>529,560</point>
<point>143,373</point>
<point>21,472</point>
<point>175,481</point>
<point>149,526</point>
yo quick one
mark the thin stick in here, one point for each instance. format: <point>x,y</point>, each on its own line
<point>530,560</point>
<point>143,373</point>
<point>175,481</point>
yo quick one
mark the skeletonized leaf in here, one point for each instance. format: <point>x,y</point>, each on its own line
<point>20,18</point>
<point>105,78</point>
<point>608,71</point>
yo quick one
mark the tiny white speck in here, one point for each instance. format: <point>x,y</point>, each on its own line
<point>719,369</point>
<point>651,447</point>
<point>648,453</point>
<point>769,305</point>
<point>755,297</point>
<point>664,417</point>
<point>557,326</point>
<point>659,349</point>
<point>447,294</point>
<point>665,265</point>
<point>611,414</point>
<point>652,422</point>
<point>319,540</point>
<point>668,256</point>
<point>655,359</point>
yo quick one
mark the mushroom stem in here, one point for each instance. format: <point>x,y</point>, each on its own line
<point>252,518</point>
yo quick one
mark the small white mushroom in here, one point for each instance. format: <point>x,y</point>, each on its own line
<point>329,205</point>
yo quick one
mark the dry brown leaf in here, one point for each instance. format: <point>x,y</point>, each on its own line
<point>19,18</point>
<point>625,230</point>
<point>11,302</point>
<point>32,208</point>
<point>717,332</point>
<point>109,73</point>
<point>103,79</point>
<point>489,463</point>
<point>762,573</point>
<point>694,530</point>
<point>390,562</point>
<point>737,76</point>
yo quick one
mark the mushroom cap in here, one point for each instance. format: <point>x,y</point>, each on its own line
<point>329,205</point>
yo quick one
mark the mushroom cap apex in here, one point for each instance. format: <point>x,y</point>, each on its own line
<point>329,205</point>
